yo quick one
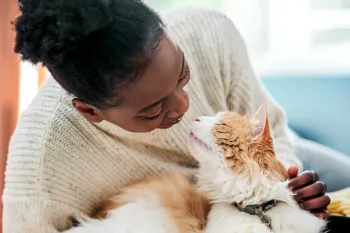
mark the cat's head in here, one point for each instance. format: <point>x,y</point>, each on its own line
<point>236,150</point>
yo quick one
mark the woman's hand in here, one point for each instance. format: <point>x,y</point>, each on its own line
<point>310,192</point>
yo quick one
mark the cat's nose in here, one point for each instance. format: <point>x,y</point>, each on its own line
<point>202,118</point>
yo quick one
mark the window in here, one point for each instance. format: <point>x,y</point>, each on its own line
<point>170,4</point>
<point>299,36</point>
<point>250,17</point>
<point>330,22</point>
<point>307,37</point>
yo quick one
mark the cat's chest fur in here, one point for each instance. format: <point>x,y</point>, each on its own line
<point>171,204</point>
<point>285,219</point>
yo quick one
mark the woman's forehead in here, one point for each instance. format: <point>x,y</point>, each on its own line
<point>158,79</point>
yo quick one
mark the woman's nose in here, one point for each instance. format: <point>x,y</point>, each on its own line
<point>178,104</point>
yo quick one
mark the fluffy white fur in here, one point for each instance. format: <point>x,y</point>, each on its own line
<point>224,187</point>
<point>143,216</point>
<point>217,180</point>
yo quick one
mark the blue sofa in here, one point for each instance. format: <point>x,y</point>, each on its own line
<point>318,107</point>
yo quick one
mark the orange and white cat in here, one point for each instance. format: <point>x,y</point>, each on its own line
<point>241,188</point>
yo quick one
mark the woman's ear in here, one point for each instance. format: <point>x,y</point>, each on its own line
<point>90,112</point>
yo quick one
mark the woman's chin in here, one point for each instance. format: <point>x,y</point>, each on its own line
<point>167,126</point>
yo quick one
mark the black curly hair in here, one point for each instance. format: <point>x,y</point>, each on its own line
<point>91,47</point>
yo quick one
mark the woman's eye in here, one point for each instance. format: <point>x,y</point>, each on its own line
<point>152,117</point>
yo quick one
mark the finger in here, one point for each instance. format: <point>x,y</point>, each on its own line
<point>322,215</point>
<point>303,179</point>
<point>316,203</point>
<point>316,189</point>
<point>293,172</point>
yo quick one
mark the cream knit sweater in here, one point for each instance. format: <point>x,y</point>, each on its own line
<point>60,164</point>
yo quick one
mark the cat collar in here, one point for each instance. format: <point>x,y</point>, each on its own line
<point>258,210</point>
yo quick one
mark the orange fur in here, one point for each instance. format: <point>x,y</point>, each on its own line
<point>242,153</point>
<point>101,211</point>
<point>189,208</point>
<point>177,195</point>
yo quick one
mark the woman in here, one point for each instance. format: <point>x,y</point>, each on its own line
<point>117,107</point>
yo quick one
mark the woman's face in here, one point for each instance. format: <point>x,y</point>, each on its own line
<point>157,98</point>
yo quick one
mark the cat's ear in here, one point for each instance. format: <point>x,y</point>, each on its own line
<point>259,122</point>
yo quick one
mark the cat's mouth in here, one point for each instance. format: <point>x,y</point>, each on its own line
<point>199,141</point>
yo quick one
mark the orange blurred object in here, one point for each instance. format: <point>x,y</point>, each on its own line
<point>9,83</point>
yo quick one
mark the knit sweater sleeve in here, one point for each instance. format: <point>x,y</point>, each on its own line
<point>245,92</point>
<point>34,215</point>
<point>27,208</point>
<point>29,201</point>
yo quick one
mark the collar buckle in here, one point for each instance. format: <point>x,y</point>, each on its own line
<point>258,210</point>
